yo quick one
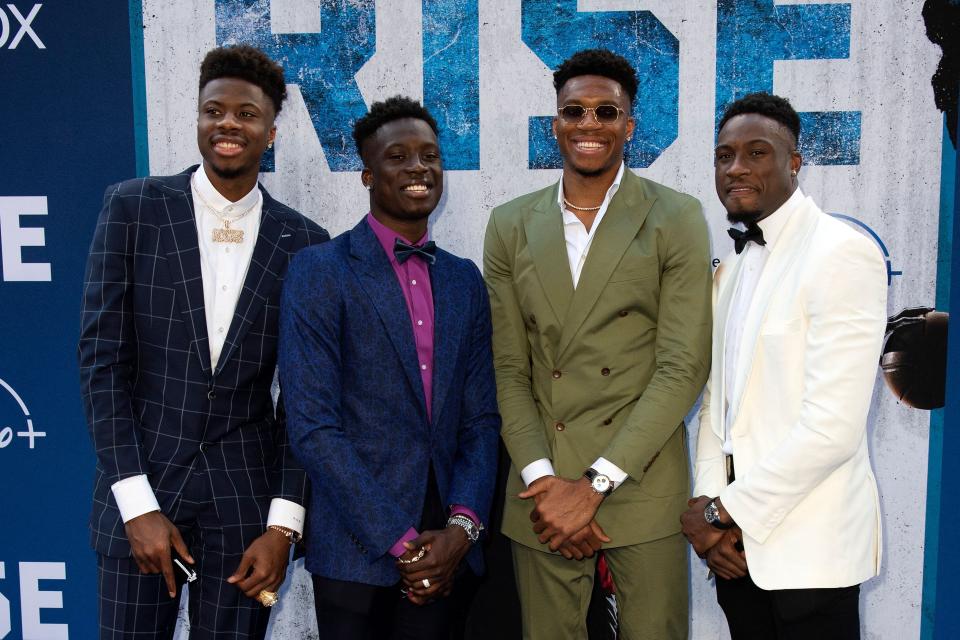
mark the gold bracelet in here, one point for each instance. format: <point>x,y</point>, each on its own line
<point>292,536</point>
<point>416,558</point>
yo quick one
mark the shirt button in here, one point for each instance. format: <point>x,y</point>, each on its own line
<point>607,422</point>
<point>533,319</point>
<point>220,330</point>
<point>227,249</point>
<point>224,287</point>
<point>556,374</point>
<point>229,208</point>
<point>413,282</point>
<point>605,371</point>
<point>623,313</point>
<point>559,426</point>
<point>424,367</point>
<point>419,323</point>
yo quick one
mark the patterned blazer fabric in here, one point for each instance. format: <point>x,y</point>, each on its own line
<point>153,403</point>
<point>357,415</point>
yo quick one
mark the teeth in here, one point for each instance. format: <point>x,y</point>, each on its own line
<point>228,145</point>
<point>415,187</point>
<point>589,145</point>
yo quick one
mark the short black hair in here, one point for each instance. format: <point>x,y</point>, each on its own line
<point>768,105</point>
<point>597,62</point>
<point>395,108</point>
<point>247,63</point>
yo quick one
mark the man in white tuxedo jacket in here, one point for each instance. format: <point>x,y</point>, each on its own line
<point>787,514</point>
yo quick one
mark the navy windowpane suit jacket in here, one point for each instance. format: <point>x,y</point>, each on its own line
<point>357,415</point>
<point>153,404</point>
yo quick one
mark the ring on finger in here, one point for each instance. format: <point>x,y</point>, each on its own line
<point>426,583</point>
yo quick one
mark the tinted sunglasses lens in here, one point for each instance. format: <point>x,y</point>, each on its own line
<point>572,113</point>
<point>607,113</point>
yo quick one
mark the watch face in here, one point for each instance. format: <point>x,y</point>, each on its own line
<point>711,513</point>
<point>601,483</point>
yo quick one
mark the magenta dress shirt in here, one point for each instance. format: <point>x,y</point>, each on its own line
<point>414,278</point>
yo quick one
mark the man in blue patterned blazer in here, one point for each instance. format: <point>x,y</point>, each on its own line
<point>387,372</point>
<point>177,352</point>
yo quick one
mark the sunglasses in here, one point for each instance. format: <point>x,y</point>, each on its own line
<point>576,114</point>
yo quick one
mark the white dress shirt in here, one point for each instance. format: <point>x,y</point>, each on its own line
<point>223,267</point>
<point>578,241</point>
<point>753,259</point>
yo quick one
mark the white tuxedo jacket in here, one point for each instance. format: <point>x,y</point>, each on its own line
<point>804,495</point>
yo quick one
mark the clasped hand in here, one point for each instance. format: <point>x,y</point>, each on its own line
<point>445,549</point>
<point>563,515</point>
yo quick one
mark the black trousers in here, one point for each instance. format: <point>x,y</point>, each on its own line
<point>789,614</point>
<point>355,611</point>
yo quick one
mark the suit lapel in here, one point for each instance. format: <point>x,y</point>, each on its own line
<point>620,225</point>
<point>179,235</point>
<point>548,250</point>
<point>791,244</point>
<point>273,246</point>
<point>448,303</point>
<point>378,279</point>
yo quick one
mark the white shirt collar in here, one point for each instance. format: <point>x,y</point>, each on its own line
<point>773,225</point>
<point>612,191</point>
<point>209,194</point>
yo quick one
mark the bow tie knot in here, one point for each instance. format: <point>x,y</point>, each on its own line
<point>740,238</point>
<point>427,251</point>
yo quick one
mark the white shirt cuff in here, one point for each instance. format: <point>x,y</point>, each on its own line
<point>536,470</point>
<point>285,513</point>
<point>134,497</point>
<point>612,471</point>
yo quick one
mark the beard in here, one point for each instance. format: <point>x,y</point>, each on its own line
<point>227,174</point>
<point>744,217</point>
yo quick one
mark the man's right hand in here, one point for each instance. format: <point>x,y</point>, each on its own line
<point>584,543</point>
<point>151,537</point>
<point>725,559</point>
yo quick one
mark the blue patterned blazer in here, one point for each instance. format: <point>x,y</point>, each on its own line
<point>153,404</point>
<point>356,412</point>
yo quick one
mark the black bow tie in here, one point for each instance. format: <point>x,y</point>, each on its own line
<point>426,251</point>
<point>741,238</point>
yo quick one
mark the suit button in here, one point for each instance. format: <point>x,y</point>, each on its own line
<point>623,313</point>
<point>211,394</point>
<point>559,426</point>
<point>556,374</point>
<point>605,371</point>
<point>608,422</point>
<point>203,447</point>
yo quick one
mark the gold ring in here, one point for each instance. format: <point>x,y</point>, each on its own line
<point>426,583</point>
<point>267,598</point>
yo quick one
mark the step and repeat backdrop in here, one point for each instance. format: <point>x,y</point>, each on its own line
<point>97,94</point>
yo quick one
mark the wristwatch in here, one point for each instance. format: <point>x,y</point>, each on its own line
<point>469,526</point>
<point>598,482</point>
<point>711,513</point>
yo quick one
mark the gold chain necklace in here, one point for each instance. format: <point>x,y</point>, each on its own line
<point>226,234</point>
<point>573,206</point>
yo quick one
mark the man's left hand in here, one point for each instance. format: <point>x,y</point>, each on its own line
<point>446,548</point>
<point>263,565</point>
<point>701,534</point>
<point>563,507</point>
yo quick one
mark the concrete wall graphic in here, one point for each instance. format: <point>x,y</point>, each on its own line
<point>112,91</point>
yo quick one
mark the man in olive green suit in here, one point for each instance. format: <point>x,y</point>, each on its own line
<point>600,292</point>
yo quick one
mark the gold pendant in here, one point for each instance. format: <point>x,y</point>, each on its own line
<point>227,234</point>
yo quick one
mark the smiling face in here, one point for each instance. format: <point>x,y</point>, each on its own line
<point>404,170</point>
<point>588,147</point>
<point>234,126</point>
<point>753,161</point>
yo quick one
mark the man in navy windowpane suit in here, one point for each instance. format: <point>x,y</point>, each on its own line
<point>178,350</point>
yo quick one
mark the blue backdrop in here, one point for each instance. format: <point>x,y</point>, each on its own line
<point>66,131</point>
